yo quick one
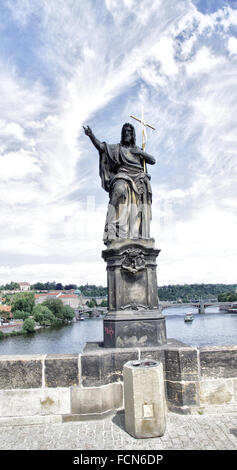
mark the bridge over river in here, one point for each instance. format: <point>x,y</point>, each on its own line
<point>201,305</point>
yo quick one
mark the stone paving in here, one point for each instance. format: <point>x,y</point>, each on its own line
<point>183,432</point>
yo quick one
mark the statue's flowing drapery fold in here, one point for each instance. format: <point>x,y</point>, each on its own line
<point>129,209</point>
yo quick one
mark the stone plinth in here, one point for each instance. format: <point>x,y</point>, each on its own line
<point>133,318</point>
<point>131,329</point>
<point>144,399</point>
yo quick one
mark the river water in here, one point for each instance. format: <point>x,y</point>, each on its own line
<point>213,328</point>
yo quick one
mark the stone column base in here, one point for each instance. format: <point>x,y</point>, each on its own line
<point>130,329</point>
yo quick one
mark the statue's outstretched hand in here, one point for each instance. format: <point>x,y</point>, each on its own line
<point>88,131</point>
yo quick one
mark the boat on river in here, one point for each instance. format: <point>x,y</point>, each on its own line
<point>188,317</point>
<point>80,318</point>
<point>232,310</point>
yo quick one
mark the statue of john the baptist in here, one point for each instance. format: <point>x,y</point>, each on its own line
<point>124,178</point>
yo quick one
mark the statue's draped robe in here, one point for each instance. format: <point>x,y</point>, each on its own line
<point>129,209</point>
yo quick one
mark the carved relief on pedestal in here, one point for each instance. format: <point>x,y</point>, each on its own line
<point>133,260</point>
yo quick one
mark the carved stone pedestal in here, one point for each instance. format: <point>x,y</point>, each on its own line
<point>133,317</point>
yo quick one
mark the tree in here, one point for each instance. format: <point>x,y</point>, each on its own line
<point>52,312</point>
<point>37,286</point>
<point>59,286</point>
<point>29,325</point>
<point>20,314</point>
<point>22,301</point>
<point>68,312</point>
<point>91,303</point>
<point>56,307</point>
<point>43,315</point>
<point>70,286</point>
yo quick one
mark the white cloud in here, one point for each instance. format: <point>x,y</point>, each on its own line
<point>18,165</point>
<point>204,62</point>
<point>232,45</point>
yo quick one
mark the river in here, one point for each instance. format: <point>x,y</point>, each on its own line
<point>213,328</point>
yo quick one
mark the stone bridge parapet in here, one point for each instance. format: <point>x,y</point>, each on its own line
<point>56,388</point>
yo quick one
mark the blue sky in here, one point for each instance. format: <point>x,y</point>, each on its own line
<point>68,64</point>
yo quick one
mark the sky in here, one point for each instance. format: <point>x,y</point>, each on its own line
<point>65,64</point>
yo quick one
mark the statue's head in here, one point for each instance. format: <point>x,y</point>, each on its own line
<point>128,135</point>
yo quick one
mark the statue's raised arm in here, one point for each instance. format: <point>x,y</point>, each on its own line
<point>96,142</point>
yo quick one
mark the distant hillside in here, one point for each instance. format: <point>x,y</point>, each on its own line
<point>184,292</point>
<point>187,292</point>
<point>93,291</point>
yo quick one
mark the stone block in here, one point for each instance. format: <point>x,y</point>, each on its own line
<point>144,399</point>
<point>128,329</point>
<point>182,393</point>
<point>218,362</point>
<point>34,402</point>
<point>96,399</point>
<point>235,389</point>
<point>157,354</point>
<point>181,364</point>
<point>61,370</point>
<point>216,392</point>
<point>104,366</point>
<point>21,372</point>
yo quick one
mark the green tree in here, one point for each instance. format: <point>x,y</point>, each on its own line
<point>56,307</point>
<point>37,286</point>
<point>29,325</point>
<point>43,315</point>
<point>91,303</point>
<point>70,286</point>
<point>20,314</point>
<point>22,301</point>
<point>68,312</point>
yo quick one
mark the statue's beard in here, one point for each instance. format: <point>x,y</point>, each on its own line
<point>127,141</point>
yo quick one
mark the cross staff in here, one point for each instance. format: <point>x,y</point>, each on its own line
<point>144,124</point>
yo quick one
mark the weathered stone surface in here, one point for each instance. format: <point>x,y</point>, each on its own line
<point>104,366</point>
<point>235,389</point>
<point>20,372</point>
<point>157,354</point>
<point>131,273</point>
<point>181,364</point>
<point>34,402</point>
<point>216,392</point>
<point>182,393</point>
<point>90,369</point>
<point>129,329</point>
<point>144,398</point>
<point>61,370</point>
<point>96,399</point>
<point>218,361</point>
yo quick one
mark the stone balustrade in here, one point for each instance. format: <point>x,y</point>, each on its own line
<point>53,388</point>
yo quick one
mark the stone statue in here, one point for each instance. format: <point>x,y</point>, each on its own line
<point>123,176</point>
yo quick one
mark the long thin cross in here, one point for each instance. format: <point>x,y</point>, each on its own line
<point>144,124</point>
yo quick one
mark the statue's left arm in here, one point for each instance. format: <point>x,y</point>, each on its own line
<point>148,158</point>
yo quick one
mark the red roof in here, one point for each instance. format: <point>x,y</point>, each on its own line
<point>5,308</point>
